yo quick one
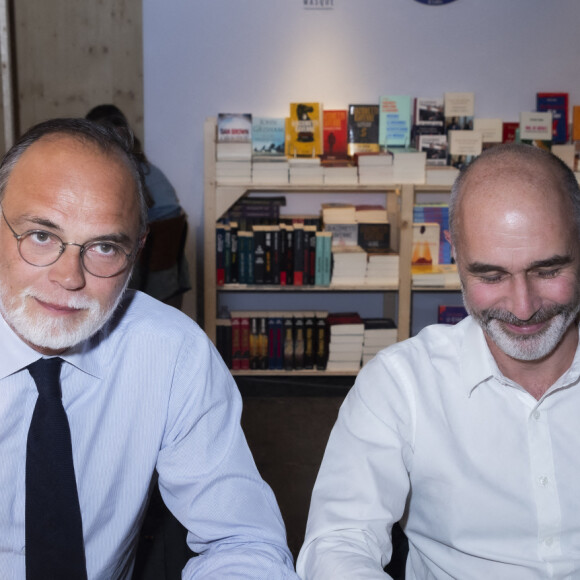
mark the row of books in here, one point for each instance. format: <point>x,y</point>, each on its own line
<point>445,129</point>
<point>288,340</point>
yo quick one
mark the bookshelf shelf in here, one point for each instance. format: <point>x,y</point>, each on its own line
<point>399,200</point>
<point>294,373</point>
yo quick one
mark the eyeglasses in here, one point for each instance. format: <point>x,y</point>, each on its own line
<point>99,258</point>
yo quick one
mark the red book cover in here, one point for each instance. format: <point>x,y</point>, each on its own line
<point>509,131</point>
<point>335,131</point>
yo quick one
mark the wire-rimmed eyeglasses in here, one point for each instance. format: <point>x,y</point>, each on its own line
<point>100,258</point>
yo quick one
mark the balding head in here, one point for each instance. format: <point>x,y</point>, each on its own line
<point>512,174</point>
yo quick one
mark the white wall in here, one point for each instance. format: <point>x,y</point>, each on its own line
<point>202,57</point>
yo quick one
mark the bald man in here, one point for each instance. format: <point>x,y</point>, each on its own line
<point>468,435</point>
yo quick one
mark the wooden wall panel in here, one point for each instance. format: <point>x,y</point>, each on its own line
<point>72,55</point>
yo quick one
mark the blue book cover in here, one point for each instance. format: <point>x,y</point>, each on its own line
<point>395,121</point>
<point>268,136</point>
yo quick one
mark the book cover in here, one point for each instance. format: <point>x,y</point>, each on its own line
<point>363,129</point>
<point>268,137</point>
<point>299,342</point>
<point>244,343</point>
<point>234,128</point>
<point>459,111</point>
<point>322,252</point>
<point>220,249</point>
<point>510,131</point>
<point>309,254</point>
<point>557,104</point>
<point>450,314</point>
<point>335,132</point>
<point>298,245</point>
<point>286,254</point>
<point>491,129</point>
<point>259,254</point>
<point>464,147</point>
<point>224,339</point>
<point>429,113</point>
<point>288,343</point>
<point>275,342</point>
<point>309,329</point>
<point>321,341</point>
<point>394,121</point>
<point>254,342</point>
<point>536,129</point>
<point>576,123</point>
<point>435,148</point>
<point>374,237</point>
<point>425,244</point>
<point>305,126</point>
<point>236,344</point>
<point>234,269</point>
<point>263,343</point>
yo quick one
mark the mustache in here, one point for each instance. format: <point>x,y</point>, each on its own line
<point>541,315</point>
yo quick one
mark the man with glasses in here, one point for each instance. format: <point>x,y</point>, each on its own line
<point>143,389</point>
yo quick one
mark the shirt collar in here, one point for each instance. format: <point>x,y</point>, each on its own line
<point>479,366</point>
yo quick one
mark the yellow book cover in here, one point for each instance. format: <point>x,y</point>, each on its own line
<point>305,130</point>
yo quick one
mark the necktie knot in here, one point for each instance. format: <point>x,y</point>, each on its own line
<point>46,375</point>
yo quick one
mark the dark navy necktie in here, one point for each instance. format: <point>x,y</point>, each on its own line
<point>54,533</point>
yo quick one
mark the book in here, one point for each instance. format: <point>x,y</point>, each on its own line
<point>436,213</point>
<point>491,130</point>
<point>429,113</point>
<point>464,147</point>
<point>233,254</point>
<point>459,109</point>
<point>409,167</point>
<point>343,235</point>
<point>340,175</point>
<point>309,335</point>
<point>263,344</point>
<point>557,104</point>
<point>374,236</point>
<point>510,131</point>
<point>299,342</point>
<point>536,128</point>
<point>259,254</point>
<point>450,314</point>
<point>363,129</point>
<point>254,342</point>
<point>436,276</point>
<point>298,246</point>
<point>441,175</point>
<point>234,128</point>
<point>288,327</point>
<point>338,213</point>
<point>334,130</point>
<point>220,248</point>
<point>268,137</point>
<point>321,340</point>
<point>394,121</point>
<point>245,259</point>
<point>286,254</point>
<point>576,123</point>
<point>370,213</point>
<point>309,254</point>
<point>349,266</point>
<point>323,258</point>
<point>435,148</point>
<point>382,269</point>
<point>425,244</point>
<point>224,339</point>
<point>305,130</point>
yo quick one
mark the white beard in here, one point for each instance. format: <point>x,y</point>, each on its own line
<point>54,332</point>
<point>527,347</point>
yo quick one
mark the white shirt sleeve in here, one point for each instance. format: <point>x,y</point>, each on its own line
<point>362,486</point>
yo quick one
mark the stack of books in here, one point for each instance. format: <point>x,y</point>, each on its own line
<point>378,334</point>
<point>340,175</point>
<point>409,167</point>
<point>349,266</point>
<point>375,168</point>
<point>340,219</point>
<point>345,347</point>
<point>270,171</point>
<point>305,171</point>
<point>435,276</point>
<point>382,270</point>
<point>230,172</point>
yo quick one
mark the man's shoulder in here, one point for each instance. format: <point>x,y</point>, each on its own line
<point>139,312</point>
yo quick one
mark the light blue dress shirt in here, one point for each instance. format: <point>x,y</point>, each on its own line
<point>149,392</point>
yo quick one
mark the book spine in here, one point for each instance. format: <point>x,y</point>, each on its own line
<point>319,267</point>
<point>220,233</point>
<point>234,277</point>
<point>298,256</point>
<point>236,344</point>
<point>254,343</point>
<point>321,343</point>
<point>299,343</point>
<point>245,343</point>
<point>309,352</point>
<point>276,255</point>
<point>242,260</point>
<point>263,344</point>
<point>327,261</point>
<point>312,256</point>
<point>227,255</point>
<point>268,257</point>
<point>259,256</point>
<point>288,343</point>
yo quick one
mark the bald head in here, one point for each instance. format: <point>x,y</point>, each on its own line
<point>512,176</point>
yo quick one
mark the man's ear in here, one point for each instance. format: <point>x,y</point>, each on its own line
<point>448,238</point>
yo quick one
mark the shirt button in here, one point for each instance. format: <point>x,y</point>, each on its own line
<point>549,541</point>
<point>536,415</point>
<point>543,481</point>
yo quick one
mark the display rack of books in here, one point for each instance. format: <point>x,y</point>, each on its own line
<point>292,255</point>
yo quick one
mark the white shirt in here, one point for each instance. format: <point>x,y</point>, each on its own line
<point>148,393</point>
<point>485,477</point>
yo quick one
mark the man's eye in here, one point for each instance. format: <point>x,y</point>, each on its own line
<point>548,273</point>
<point>41,237</point>
<point>491,278</point>
<point>104,249</point>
